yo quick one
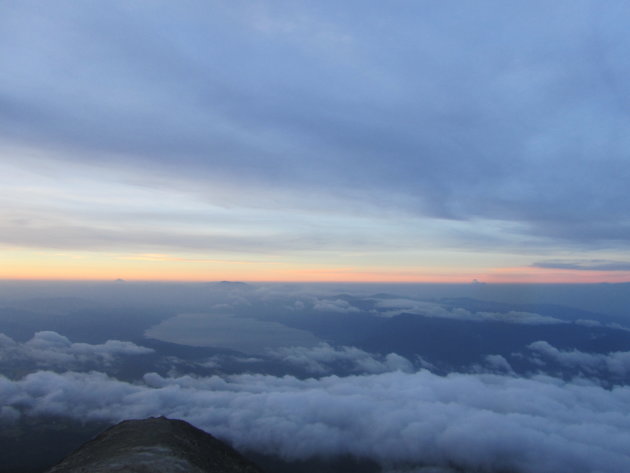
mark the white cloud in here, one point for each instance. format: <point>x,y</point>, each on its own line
<point>615,364</point>
<point>518,317</point>
<point>323,358</point>
<point>498,363</point>
<point>50,349</point>
<point>394,307</point>
<point>536,425</point>
<point>334,305</point>
<point>217,361</point>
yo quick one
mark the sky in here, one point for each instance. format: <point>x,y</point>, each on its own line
<point>413,141</point>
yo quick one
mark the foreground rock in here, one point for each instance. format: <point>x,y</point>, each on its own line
<point>156,445</point>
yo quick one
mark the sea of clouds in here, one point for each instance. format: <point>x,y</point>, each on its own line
<point>389,413</point>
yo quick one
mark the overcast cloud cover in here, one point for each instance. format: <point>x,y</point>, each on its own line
<point>352,126</point>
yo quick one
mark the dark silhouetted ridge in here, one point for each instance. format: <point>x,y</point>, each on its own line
<point>155,445</point>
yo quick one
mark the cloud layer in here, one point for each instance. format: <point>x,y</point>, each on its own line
<point>48,349</point>
<point>537,425</point>
<point>489,126</point>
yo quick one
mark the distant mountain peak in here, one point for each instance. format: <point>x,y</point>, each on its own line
<point>156,445</point>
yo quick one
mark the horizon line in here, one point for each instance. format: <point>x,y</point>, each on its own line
<point>261,281</point>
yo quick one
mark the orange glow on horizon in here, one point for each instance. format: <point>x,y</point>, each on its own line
<point>250,272</point>
<point>49,266</point>
<point>554,276</point>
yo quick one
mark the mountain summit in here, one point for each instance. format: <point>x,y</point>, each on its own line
<point>156,445</point>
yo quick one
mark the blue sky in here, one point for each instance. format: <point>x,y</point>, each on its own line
<point>413,141</point>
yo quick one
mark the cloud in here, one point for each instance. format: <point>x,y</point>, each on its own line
<point>48,349</point>
<point>412,110</point>
<point>324,359</point>
<point>163,257</point>
<point>39,233</point>
<point>498,363</point>
<point>394,307</point>
<point>615,365</point>
<point>478,422</point>
<point>584,265</point>
<point>334,305</point>
<point>518,317</point>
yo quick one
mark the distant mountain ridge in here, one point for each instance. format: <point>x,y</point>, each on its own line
<point>155,445</point>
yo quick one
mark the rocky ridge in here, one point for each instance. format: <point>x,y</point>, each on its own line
<point>155,445</point>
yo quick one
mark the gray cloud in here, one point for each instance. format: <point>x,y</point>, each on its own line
<point>500,111</point>
<point>584,265</point>
<point>54,234</point>
<point>479,422</point>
